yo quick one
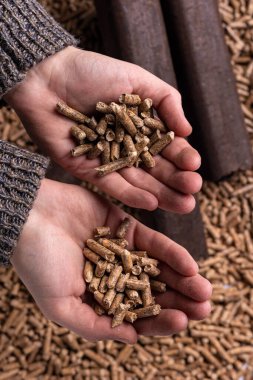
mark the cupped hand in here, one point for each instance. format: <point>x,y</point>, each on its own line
<point>49,260</point>
<point>82,78</point>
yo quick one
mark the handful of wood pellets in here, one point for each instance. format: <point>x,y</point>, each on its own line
<point>126,134</point>
<point>121,280</point>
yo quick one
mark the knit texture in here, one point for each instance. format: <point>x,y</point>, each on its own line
<point>27,36</point>
<point>20,176</point>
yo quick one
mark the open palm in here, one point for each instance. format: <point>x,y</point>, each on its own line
<point>82,78</point>
<point>49,260</point>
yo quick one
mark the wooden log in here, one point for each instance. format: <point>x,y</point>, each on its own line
<point>207,84</point>
<point>134,31</point>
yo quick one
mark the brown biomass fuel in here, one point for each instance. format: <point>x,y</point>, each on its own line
<point>121,294</point>
<point>120,137</point>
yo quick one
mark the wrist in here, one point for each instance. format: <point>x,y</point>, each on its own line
<point>37,81</point>
<point>19,94</point>
<point>32,221</point>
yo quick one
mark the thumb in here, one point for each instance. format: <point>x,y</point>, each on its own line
<point>166,100</point>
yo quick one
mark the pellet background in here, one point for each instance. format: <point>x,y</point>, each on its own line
<point>219,347</point>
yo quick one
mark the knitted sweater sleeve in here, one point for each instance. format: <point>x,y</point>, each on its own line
<point>20,175</point>
<point>27,36</point>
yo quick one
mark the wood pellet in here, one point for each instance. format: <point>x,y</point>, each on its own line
<point>125,291</point>
<point>121,137</point>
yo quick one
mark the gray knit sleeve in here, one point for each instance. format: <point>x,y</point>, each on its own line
<point>27,36</point>
<point>20,176</point>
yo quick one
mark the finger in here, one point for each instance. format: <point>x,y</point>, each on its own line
<point>170,110</point>
<point>195,287</point>
<point>166,323</point>
<point>182,155</point>
<point>168,199</point>
<point>70,312</point>
<point>186,182</point>
<point>113,184</point>
<point>166,100</point>
<point>118,187</point>
<point>174,300</point>
<point>164,249</point>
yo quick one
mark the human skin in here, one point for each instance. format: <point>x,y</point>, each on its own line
<point>48,258</point>
<point>81,78</point>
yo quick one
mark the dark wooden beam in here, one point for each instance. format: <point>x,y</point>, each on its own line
<point>134,31</point>
<point>207,84</point>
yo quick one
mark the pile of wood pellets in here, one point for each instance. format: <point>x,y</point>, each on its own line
<point>127,134</point>
<point>218,348</point>
<point>120,279</point>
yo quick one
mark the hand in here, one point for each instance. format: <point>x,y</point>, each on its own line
<point>81,78</point>
<point>49,260</point>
